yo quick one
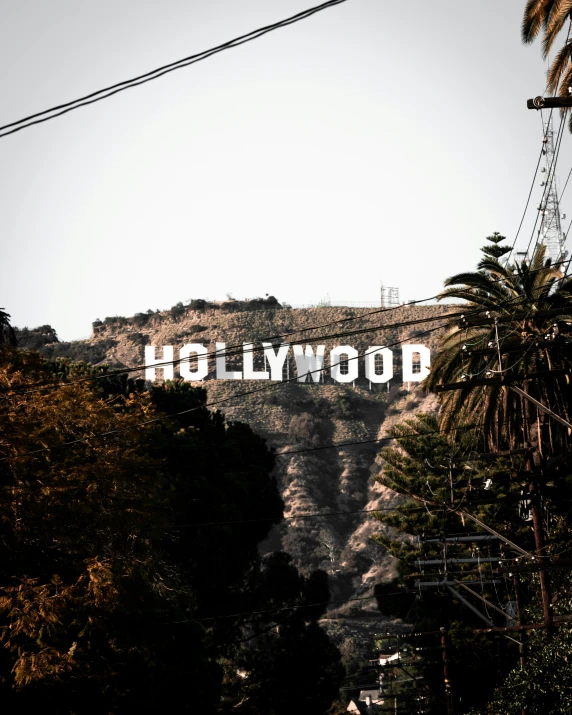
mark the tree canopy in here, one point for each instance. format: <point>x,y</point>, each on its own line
<point>131,578</point>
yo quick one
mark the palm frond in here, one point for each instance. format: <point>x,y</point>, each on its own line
<point>495,268</point>
<point>555,20</point>
<point>566,82</point>
<point>475,302</point>
<point>558,67</point>
<point>535,16</point>
<point>473,280</point>
<point>536,285</point>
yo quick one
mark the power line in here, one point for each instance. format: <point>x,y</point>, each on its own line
<point>162,418</point>
<point>287,608</point>
<point>239,350</point>
<point>109,91</point>
<point>535,174</point>
<point>566,183</point>
<point>550,180</point>
<point>311,515</point>
<point>366,441</point>
<point>235,350</point>
<point>527,203</point>
<point>414,436</point>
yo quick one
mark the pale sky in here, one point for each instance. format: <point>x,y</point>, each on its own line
<point>375,140</point>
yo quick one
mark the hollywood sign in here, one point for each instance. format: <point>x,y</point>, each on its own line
<point>194,362</point>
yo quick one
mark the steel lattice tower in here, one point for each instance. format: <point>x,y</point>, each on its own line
<point>550,232</point>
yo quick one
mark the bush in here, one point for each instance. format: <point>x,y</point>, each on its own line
<point>346,406</point>
<point>36,338</point>
<point>116,320</point>
<point>140,319</point>
<point>177,310</point>
<point>137,338</point>
<point>307,429</point>
<point>79,352</point>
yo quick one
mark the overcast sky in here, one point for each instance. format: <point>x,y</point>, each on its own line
<point>375,140</point>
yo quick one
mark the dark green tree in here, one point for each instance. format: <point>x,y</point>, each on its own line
<point>94,615</point>
<point>226,504</point>
<point>429,467</point>
<point>543,686</point>
<point>283,660</point>
<point>175,512</point>
<point>7,335</point>
<point>422,469</point>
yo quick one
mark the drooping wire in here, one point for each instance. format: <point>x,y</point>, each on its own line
<point>526,206</point>
<point>97,96</point>
<point>239,349</point>
<point>162,418</point>
<point>275,385</point>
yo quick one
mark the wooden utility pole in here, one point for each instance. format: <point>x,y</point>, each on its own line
<point>545,586</point>
<point>528,403</point>
<point>519,619</point>
<point>446,680</point>
<point>549,102</point>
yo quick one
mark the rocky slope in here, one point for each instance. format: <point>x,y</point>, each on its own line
<point>295,416</point>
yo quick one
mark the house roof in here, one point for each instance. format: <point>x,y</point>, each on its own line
<point>373,694</point>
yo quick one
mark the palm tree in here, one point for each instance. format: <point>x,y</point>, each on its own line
<point>550,16</point>
<point>524,341</point>
<point>7,335</point>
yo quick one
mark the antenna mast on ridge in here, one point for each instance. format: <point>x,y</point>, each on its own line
<point>389,296</point>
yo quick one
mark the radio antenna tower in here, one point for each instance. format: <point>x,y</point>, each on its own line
<point>389,296</point>
<point>550,232</point>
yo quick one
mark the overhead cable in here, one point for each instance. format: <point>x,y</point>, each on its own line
<point>290,607</point>
<point>275,385</point>
<point>163,418</point>
<point>57,111</point>
<point>239,349</point>
<point>549,182</point>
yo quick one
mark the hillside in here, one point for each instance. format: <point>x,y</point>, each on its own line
<point>295,416</point>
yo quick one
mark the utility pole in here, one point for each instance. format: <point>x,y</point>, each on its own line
<point>446,680</point>
<point>545,587</point>
<point>519,620</point>
<point>549,102</point>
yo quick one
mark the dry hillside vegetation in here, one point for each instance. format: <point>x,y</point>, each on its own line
<point>293,416</point>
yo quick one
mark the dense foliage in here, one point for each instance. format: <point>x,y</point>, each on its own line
<point>450,487</point>
<point>89,597</point>
<point>130,565</point>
